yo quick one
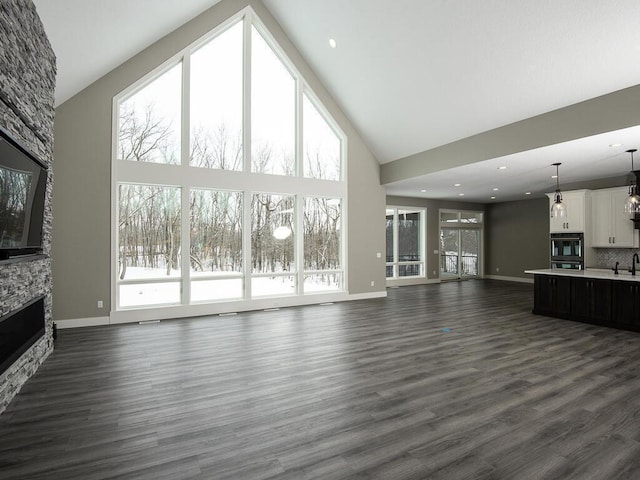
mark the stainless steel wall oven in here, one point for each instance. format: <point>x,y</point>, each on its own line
<point>567,250</point>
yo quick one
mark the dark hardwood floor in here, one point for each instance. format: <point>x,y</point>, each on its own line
<point>449,381</point>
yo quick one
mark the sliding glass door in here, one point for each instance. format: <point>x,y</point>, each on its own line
<point>470,252</point>
<point>460,235</point>
<point>449,253</point>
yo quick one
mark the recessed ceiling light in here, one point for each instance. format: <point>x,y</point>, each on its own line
<point>554,176</point>
<point>615,145</point>
<point>423,190</point>
<point>332,43</point>
<point>461,194</point>
<point>503,167</point>
<point>496,189</point>
<point>456,184</point>
<point>493,198</point>
<point>527,193</point>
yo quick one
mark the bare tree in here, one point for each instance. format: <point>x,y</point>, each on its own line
<point>216,231</point>
<point>14,190</point>
<point>268,253</point>
<point>149,217</point>
<point>143,136</point>
<point>216,148</point>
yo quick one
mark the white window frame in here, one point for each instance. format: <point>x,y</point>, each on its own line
<point>395,263</point>
<point>187,177</point>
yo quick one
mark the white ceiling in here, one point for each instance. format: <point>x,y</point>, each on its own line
<point>414,74</point>
<point>92,37</point>
<point>531,171</point>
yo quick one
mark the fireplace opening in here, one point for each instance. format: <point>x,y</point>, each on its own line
<point>19,330</point>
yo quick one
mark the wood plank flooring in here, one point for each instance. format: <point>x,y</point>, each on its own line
<point>449,381</point>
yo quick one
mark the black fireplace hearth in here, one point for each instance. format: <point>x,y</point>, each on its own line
<point>19,330</point>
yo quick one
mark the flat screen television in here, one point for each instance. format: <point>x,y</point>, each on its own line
<point>23,181</point>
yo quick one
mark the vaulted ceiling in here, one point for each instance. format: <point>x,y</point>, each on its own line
<point>411,75</point>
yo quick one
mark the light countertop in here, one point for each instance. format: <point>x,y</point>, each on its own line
<point>589,273</point>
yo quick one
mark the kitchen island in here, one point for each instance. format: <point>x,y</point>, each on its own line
<point>595,296</point>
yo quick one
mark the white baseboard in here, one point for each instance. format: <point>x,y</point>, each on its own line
<point>135,316</point>
<point>82,322</point>
<point>509,279</point>
<point>402,282</point>
<point>365,296</point>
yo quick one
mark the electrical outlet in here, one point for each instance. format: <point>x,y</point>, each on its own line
<point>373,284</point>
<point>378,255</point>
<point>497,269</point>
<point>100,304</point>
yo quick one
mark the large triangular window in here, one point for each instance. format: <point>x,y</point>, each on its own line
<point>228,178</point>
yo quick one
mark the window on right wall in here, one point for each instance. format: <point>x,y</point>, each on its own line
<point>405,242</point>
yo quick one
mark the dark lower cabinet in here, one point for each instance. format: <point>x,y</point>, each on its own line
<point>552,295</point>
<point>626,304</point>
<point>611,303</point>
<point>591,300</point>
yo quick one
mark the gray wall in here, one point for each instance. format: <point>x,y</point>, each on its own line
<point>516,234</point>
<point>27,84</point>
<point>82,193</point>
<point>517,237</point>
<point>433,224</point>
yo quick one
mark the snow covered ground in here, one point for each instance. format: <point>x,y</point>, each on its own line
<point>148,292</point>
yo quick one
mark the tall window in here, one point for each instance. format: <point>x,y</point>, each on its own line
<point>215,254</point>
<point>215,105</point>
<point>405,242</point>
<point>149,121</point>
<point>149,245</point>
<point>228,178</point>
<point>273,264</point>
<point>321,145</point>
<point>273,89</point>
<point>322,259</point>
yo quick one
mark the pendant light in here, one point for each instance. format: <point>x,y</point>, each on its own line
<point>632,203</point>
<point>282,233</point>
<point>558,209</point>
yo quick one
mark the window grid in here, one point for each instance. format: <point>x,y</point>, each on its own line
<point>186,175</point>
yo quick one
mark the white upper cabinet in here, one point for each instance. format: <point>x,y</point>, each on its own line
<point>611,226</point>
<point>577,203</point>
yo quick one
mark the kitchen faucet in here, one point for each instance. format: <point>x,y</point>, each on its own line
<point>615,270</point>
<point>634,260</point>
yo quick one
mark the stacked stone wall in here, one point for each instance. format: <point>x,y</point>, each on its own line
<point>27,89</point>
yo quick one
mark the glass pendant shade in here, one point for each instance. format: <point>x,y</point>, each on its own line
<point>282,233</point>
<point>558,209</point>
<point>632,203</point>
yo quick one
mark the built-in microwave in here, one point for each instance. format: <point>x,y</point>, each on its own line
<point>567,251</point>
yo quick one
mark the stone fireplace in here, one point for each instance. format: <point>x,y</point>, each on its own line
<point>19,330</point>
<point>27,85</point>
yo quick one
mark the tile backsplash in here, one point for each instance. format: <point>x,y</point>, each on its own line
<point>607,257</point>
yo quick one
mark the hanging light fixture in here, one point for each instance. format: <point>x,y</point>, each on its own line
<point>282,233</point>
<point>558,209</point>
<point>632,203</point>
